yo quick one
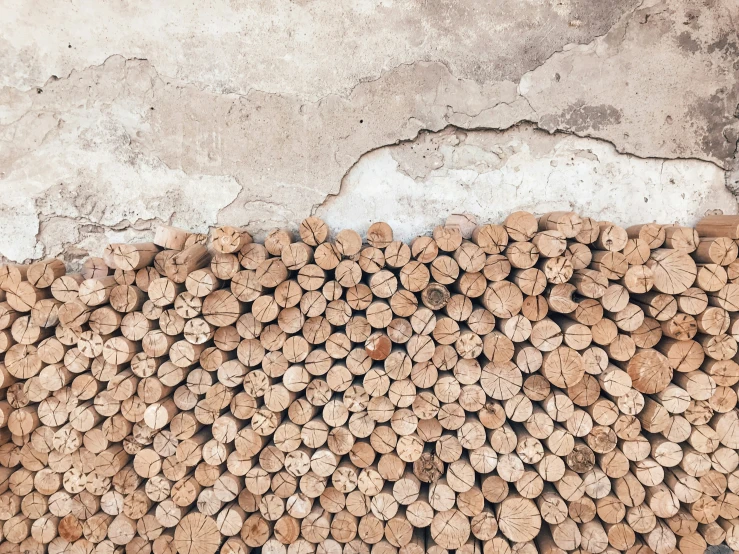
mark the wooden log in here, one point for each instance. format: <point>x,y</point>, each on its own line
<point>611,237</point>
<point>569,224</point>
<point>182,263</point>
<point>198,534</point>
<point>518,518</point>
<point>651,233</point>
<point>674,270</point>
<point>520,226</point>
<point>43,274</point>
<point>170,238</point>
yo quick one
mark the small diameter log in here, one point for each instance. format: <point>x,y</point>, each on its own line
<point>131,257</point>
<point>43,274</point>
<point>170,238</point>
<point>227,239</point>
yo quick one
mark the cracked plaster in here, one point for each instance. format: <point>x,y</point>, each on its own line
<point>113,119</point>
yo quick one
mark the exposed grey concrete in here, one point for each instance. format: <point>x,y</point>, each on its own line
<point>114,118</point>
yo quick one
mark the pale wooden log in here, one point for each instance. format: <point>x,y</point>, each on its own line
<point>180,265</point>
<point>8,315</point>
<point>682,238</point>
<point>674,270</point>
<point>615,299</point>
<point>520,226</point>
<point>95,268</point>
<point>589,283</point>
<point>648,334</point>
<point>171,238</point>
<point>491,238</point>
<point>611,237</point>
<point>448,238</point>
<point>162,293</point>
<point>470,257</point>
<point>227,239</point>
<point>132,257</point>
<point>522,255</point>
<point>497,267</point>
<point>711,277</point>
<point>348,242</point>
<point>144,277</point>
<point>568,223</point>
<point>95,292</point>
<point>604,332</point>
<point>466,223</point>
<point>198,534</point>
<point>550,243</point>
<point>716,250</point>
<point>681,327</point>
<point>313,231</point>
<point>612,265</point>
<point>518,518</point>
<point>649,370</point>
<point>22,296</point>
<point>719,347</point>
<point>636,251</point>
<point>692,301</point>
<point>127,298</point>
<point>43,274</point>
<point>162,257</point>
<point>651,233</point>
<point>221,308</point>
<point>698,384</point>
<point>579,255</point>
<point>582,510</point>
<point>25,331</point>
<point>727,297</point>
<point>557,270</point>
<point>12,274</point>
<point>450,529</point>
<point>718,226</point>
<point>638,279</point>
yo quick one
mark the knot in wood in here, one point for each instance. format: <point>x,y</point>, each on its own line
<point>428,468</point>
<point>435,296</point>
<point>581,459</point>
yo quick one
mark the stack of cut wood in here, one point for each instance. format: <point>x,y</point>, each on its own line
<point>552,384</point>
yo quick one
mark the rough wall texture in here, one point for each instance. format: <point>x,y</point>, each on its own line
<point>114,117</point>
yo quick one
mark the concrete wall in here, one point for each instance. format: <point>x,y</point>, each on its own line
<point>115,116</point>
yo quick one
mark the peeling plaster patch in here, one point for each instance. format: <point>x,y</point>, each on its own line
<point>642,91</point>
<point>718,136</point>
<point>582,118</point>
<point>85,185</point>
<point>527,169</point>
<point>18,225</point>
<point>687,42</point>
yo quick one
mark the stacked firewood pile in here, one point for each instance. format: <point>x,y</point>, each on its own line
<point>551,384</point>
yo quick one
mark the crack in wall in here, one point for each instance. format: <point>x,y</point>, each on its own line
<point>519,124</point>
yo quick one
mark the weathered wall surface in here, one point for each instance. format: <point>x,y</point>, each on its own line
<point>114,118</point>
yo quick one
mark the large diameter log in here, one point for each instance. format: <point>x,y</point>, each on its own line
<point>518,519</point>
<point>674,271</point>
